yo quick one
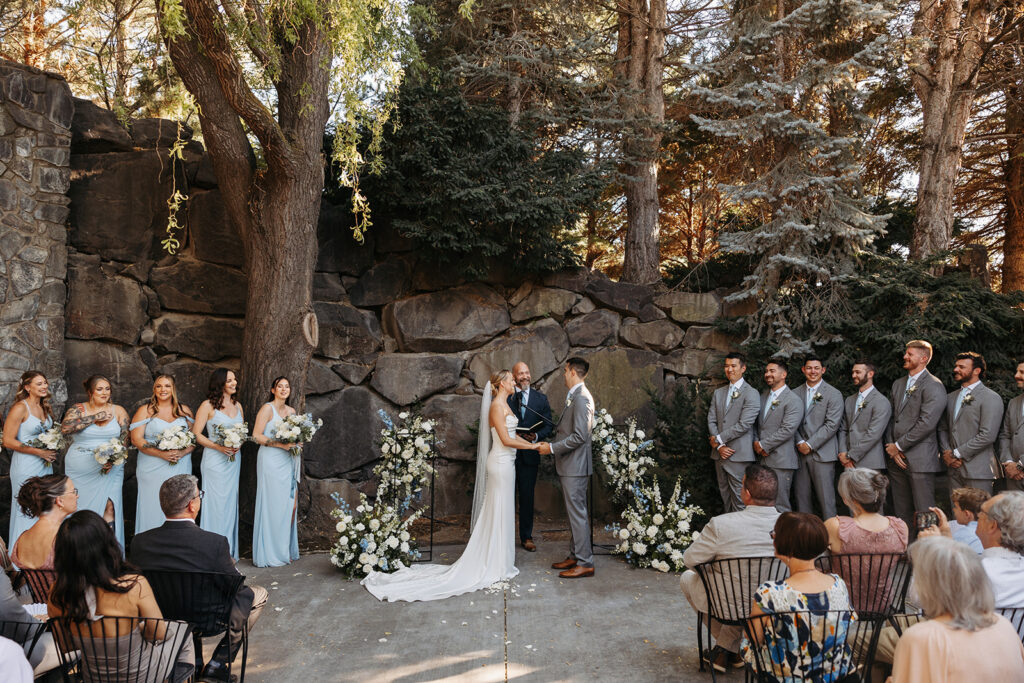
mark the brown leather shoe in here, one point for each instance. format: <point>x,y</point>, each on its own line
<point>577,572</point>
<point>567,563</point>
<point>528,544</point>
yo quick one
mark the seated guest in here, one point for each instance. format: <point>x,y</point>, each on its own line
<point>745,533</point>
<point>93,582</point>
<point>49,499</point>
<point>44,656</point>
<point>963,639</point>
<point>967,504</point>
<point>799,538</point>
<point>180,545</point>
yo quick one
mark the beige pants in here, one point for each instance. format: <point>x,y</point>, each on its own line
<point>727,637</point>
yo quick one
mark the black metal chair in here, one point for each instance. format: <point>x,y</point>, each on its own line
<point>39,583</point>
<point>204,600</point>
<point>815,646</point>
<point>122,650</point>
<point>25,633</point>
<point>730,585</point>
<point>877,582</point>
<point>1016,617</point>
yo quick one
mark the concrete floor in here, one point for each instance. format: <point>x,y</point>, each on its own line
<point>620,625</point>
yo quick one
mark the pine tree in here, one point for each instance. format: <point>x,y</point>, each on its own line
<point>788,86</point>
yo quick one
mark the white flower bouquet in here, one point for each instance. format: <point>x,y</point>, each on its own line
<point>174,439</point>
<point>51,439</point>
<point>110,453</point>
<point>624,454</point>
<point>372,538</point>
<point>655,533</point>
<point>296,429</point>
<point>230,436</point>
<point>405,456</point>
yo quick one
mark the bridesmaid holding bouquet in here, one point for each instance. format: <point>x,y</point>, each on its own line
<point>275,540</point>
<point>221,463</point>
<point>155,465</point>
<point>30,416</point>
<point>91,425</point>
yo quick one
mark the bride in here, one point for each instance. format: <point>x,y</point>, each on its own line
<point>491,552</point>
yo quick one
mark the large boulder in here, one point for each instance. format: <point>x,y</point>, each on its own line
<point>623,297</point>
<point>321,379</point>
<point>382,284</point>
<point>130,378</point>
<point>350,437</point>
<point>197,287</point>
<point>213,236</point>
<point>708,337</point>
<point>522,345</point>
<point>619,379</point>
<point>101,304</point>
<point>353,373</point>
<point>593,329</point>
<point>553,335</point>
<point>690,307</point>
<point>450,320</point>
<point>453,417</point>
<point>544,301</point>
<point>660,335</point>
<point>200,336</point>
<point>316,501</point>
<point>338,250</point>
<point>453,487</point>
<point>405,378</point>
<point>691,362</point>
<point>95,129</point>
<point>153,133</point>
<point>573,279</point>
<point>346,332</point>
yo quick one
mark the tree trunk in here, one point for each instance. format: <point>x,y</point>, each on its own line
<point>1013,238</point>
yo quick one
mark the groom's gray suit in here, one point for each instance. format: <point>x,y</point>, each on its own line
<point>574,465</point>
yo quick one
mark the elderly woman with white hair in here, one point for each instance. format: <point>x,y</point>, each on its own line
<point>963,638</point>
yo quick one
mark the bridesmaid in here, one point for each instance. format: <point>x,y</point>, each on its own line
<point>28,417</point>
<point>90,424</point>
<point>221,465</point>
<point>275,539</point>
<point>155,466</point>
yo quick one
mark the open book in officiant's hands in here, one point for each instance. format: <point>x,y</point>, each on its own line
<point>531,428</point>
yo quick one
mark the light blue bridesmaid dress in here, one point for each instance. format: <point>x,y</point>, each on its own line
<point>24,466</point>
<point>94,487</point>
<point>219,512</point>
<point>151,472</point>
<point>275,538</point>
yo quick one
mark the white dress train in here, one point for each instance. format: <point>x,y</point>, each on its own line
<point>490,554</point>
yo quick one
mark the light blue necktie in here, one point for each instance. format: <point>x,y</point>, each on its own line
<point>728,396</point>
<point>768,404</point>
<point>959,402</point>
<point>810,398</point>
<point>522,405</point>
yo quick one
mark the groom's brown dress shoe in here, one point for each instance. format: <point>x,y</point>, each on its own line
<point>577,572</point>
<point>567,563</point>
<point>529,545</point>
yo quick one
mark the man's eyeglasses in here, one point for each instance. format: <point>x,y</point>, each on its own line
<point>199,495</point>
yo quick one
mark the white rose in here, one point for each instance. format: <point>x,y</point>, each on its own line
<point>407,453</point>
<point>374,524</point>
<point>407,478</point>
<point>360,508</point>
<point>340,526</point>
<point>658,519</point>
<point>392,542</point>
<point>420,443</point>
<point>652,531</point>
<point>664,567</point>
<point>639,548</point>
<point>335,561</point>
<point>623,547</point>
<point>360,527</point>
<point>367,568</point>
<point>403,415</point>
<point>608,418</point>
<point>381,562</point>
<point>623,534</point>
<point>371,560</point>
<point>607,448</point>
<point>385,449</point>
<point>404,535</point>
<point>632,447</point>
<point>364,558</point>
<point>404,547</point>
<point>343,540</point>
<point>428,425</point>
<point>640,434</point>
<point>670,533</point>
<point>603,433</point>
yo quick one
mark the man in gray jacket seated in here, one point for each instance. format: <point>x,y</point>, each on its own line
<point>745,533</point>
<point>44,656</point>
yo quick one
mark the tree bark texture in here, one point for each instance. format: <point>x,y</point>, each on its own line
<point>1013,238</point>
<point>639,66</point>
<point>946,58</point>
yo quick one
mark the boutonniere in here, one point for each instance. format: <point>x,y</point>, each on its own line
<point>968,399</point>
<point>817,397</point>
<point>775,404</point>
<point>911,390</point>
<point>568,400</point>
<point>735,394</point>
<point>860,405</point>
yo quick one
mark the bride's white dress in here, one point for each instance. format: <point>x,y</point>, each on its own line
<point>490,554</point>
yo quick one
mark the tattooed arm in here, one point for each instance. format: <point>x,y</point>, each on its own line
<point>122,421</point>
<point>75,420</point>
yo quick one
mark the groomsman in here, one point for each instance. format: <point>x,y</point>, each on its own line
<point>817,440</point>
<point>731,418</point>
<point>531,407</point>
<point>1011,437</point>
<point>967,436</point>
<point>918,403</point>
<point>865,419</point>
<point>780,416</point>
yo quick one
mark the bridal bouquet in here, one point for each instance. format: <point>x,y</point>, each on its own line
<point>372,537</point>
<point>174,439</point>
<point>405,456</point>
<point>296,429</point>
<point>656,532</point>
<point>51,439</point>
<point>230,436</point>
<point>110,453</point>
<point>624,454</point>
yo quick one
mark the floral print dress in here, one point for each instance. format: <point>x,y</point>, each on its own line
<point>792,644</point>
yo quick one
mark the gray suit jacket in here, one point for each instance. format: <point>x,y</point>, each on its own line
<point>915,420</point>
<point>735,426</point>
<point>776,430</point>
<point>11,610</point>
<point>571,447</point>
<point>974,431</point>
<point>821,421</point>
<point>862,434</point>
<point>1011,436</point>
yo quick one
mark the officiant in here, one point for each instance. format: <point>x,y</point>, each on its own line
<point>535,424</point>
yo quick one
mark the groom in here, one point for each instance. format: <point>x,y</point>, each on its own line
<point>573,463</point>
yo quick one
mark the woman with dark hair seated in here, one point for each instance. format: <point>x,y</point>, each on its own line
<point>93,581</point>
<point>49,500</point>
<point>788,643</point>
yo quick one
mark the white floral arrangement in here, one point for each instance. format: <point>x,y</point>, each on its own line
<point>655,533</point>
<point>110,453</point>
<point>230,436</point>
<point>51,439</point>
<point>373,537</point>
<point>296,429</point>
<point>623,454</point>
<point>405,448</point>
<point>174,439</point>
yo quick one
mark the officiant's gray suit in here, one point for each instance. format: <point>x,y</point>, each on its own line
<point>819,429</point>
<point>862,434</point>
<point>734,425</point>
<point>1011,439</point>
<point>775,428</point>
<point>972,433</point>
<point>574,464</point>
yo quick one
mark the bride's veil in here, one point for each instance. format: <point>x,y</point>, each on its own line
<point>483,447</point>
